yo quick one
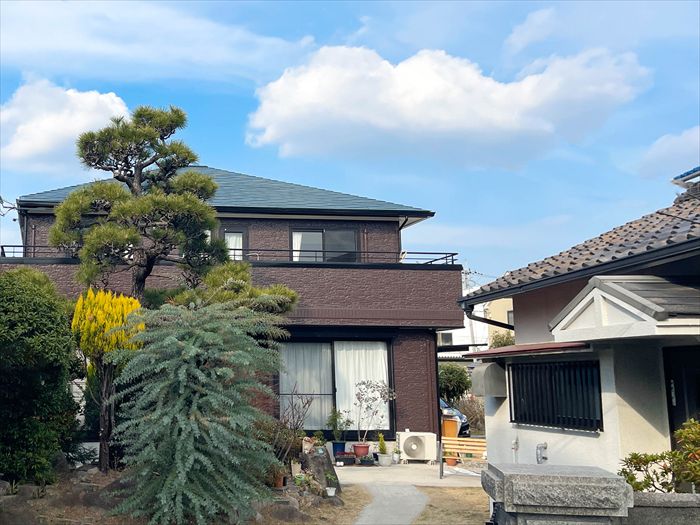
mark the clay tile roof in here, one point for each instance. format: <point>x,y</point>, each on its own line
<point>658,231</point>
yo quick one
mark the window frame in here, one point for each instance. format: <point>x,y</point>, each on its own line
<point>388,434</point>
<point>244,244</point>
<point>324,249</point>
<point>547,410</point>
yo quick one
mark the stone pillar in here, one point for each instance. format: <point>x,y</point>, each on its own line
<point>555,495</point>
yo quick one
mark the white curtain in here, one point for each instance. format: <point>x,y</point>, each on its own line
<point>296,245</point>
<point>234,242</point>
<point>357,361</point>
<point>308,367</point>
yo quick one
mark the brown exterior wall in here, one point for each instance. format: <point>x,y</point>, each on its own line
<point>415,382</point>
<point>261,234</point>
<point>404,295</point>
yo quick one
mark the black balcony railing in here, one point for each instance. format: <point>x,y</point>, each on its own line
<point>271,255</point>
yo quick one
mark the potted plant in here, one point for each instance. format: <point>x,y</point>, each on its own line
<point>451,459</point>
<point>370,399</point>
<point>339,422</point>
<point>319,443</point>
<point>396,456</point>
<point>330,478</point>
<point>383,458</point>
<point>367,461</point>
<point>346,458</point>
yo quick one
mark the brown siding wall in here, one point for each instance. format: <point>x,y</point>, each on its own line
<point>268,234</point>
<point>415,382</point>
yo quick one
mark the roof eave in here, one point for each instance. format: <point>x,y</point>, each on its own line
<point>640,260</point>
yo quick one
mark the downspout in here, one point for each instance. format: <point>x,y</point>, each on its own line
<point>469,312</point>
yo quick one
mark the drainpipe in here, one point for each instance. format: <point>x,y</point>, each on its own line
<point>469,312</point>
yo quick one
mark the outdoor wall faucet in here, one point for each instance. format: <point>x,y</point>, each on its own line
<point>541,453</point>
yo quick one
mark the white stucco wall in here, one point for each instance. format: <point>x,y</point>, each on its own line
<point>634,416</point>
<point>643,413</point>
<point>534,310</point>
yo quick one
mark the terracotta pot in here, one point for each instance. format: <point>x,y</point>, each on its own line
<point>360,449</point>
<point>451,462</point>
<point>279,481</point>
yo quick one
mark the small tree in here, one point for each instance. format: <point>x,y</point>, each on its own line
<point>151,211</point>
<point>97,323</point>
<point>37,411</point>
<point>453,381</point>
<point>187,403</point>
<point>502,338</point>
<point>370,399</point>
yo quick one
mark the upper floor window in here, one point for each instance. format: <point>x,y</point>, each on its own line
<point>563,394</point>
<point>234,243</point>
<point>324,245</point>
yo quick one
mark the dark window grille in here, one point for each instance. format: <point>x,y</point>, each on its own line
<point>561,395</point>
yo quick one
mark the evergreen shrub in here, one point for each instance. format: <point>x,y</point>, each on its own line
<point>189,424</point>
<point>37,410</point>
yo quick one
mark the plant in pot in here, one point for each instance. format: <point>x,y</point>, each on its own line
<point>319,443</point>
<point>371,398</point>
<point>383,457</point>
<point>451,459</point>
<point>346,458</point>
<point>330,478</point>
<point>396,456</point>
<point>367,461</point>
<point>339,422</point>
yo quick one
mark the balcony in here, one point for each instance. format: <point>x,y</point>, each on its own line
<point>254,255</point>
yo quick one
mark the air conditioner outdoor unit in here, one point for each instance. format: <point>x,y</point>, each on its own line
<point>417,446</point>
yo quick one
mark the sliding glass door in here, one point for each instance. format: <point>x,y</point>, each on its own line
<point>316,367</point>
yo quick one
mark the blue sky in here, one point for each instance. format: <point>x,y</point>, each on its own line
<point>526,126</point>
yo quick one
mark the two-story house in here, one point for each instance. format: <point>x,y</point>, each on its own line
<point>367,309</point>
<point>607,353</point>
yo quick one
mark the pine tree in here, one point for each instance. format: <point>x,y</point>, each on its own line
<point>97,323</point>
<point>153,213</point>
<point>188,415</point>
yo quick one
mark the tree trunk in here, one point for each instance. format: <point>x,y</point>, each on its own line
<point>106,414</point>
<point>139,276</point>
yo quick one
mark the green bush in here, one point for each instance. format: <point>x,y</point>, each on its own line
<point>453,381</point>
<point>37,410</point>
<point>666,471</point>
<point>188,426</point>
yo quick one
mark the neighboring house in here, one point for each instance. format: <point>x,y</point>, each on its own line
<point>499,310</point>
<point>367,309</point>
<point>607,353</point>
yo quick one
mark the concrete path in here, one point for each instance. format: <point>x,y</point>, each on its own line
<point>392,505</point>
<point>417,474</point>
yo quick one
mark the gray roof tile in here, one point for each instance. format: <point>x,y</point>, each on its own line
<point>247,192</point>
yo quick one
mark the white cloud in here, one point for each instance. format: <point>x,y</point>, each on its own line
<point>617,25</point>
<point>350,101</point>
<point>41,121</point>
<point>537,27</point>
<point>671,155</point>
<point>136,41</point>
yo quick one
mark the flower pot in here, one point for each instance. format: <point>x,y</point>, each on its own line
<point>360,449</point>
<point>367,462</point>
<point>296,468</point>
<point>451,462</point>
<point>345,460</point>
<point>384,460</point>
<point>279,481</point>
<point>396,458</point>
<point>338,447</point>
<point>330,491</point>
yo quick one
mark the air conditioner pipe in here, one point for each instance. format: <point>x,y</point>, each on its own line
<point>469,312</point>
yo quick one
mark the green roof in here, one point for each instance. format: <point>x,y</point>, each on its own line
<point>246,193</point>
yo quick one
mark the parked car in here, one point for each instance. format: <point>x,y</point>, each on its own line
<point>450,411</point>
